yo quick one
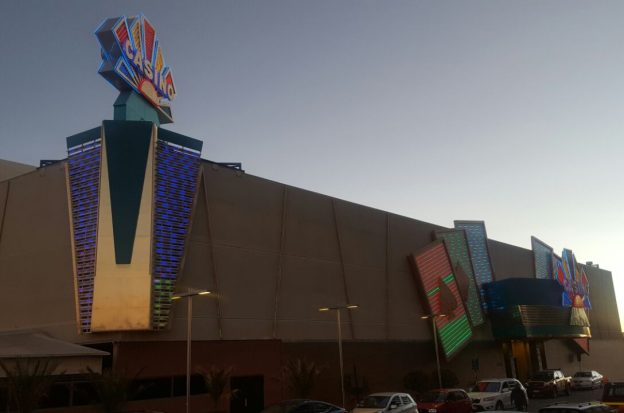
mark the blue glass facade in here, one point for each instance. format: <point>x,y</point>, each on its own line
<point>84,162</point>
<point>177,172</point>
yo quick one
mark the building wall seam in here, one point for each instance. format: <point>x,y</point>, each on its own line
<point>212,260</point>
<point>343,268</point>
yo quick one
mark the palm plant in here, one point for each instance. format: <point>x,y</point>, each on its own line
<point>300,375</point>
<point>112,389</point>
<point>216,380</point>
<point>29,380</point>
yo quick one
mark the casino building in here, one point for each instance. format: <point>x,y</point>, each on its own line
<point>94,247</point>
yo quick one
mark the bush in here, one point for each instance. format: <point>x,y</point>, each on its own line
<point>449,378</point>
<point>300,376</point>
<point>417,381</point>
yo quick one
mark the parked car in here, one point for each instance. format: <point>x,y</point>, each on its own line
<point>613,395</point>
<point>303,406</point>
<point>494,394</point>
<point>588,407</point>
<point>445,401</point>
<point>386,402</point>
<point>549,383</point>
<point>588,379</point>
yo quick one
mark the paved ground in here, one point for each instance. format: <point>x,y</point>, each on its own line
<point>575,397</point>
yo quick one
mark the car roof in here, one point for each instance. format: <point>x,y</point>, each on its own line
<point>505,379</point>
<point>581,406</point>
<point>388,394</point>
<point>446,390</point>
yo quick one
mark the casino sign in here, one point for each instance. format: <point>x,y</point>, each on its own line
<point>132,60</point>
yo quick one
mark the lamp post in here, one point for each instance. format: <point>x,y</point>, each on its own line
<point>337,310</point>
<point>189,319</point>
<point>433,318</point>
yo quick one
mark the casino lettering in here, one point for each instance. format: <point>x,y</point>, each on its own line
<point>145,67</point>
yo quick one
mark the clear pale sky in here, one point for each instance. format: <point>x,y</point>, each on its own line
<point>511,112</point>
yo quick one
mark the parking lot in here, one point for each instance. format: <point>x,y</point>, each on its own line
<point>576,396</point>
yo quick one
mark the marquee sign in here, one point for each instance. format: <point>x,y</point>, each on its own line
<point>133,60</point>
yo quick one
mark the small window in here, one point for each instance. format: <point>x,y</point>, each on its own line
<point>396,400</point>
<point>405,399</point>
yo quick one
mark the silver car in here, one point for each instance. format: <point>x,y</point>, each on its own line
<point>588,379</point>
<point>387,403</point>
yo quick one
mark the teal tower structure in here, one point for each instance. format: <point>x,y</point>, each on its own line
<point>132,185</point>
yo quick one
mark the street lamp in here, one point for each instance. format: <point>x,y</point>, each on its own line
<point>337,310</point>
<point>189,318</point>
<point>433,318</point>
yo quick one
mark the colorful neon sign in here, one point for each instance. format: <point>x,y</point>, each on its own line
<point>132,59</point>
<point>575,283</point>
<point>434,272</point>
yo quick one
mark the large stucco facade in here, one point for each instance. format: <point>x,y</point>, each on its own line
<point>273,254</point>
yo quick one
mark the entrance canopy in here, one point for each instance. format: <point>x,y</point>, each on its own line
<point>532,308</point>
<point>68,357</point>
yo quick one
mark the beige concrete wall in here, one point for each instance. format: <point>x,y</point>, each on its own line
<point>509,261</point>
<point>604,357</point>
<point>273,253</point>
<point>35,257</point>
<point>10,169</point>
<point>276,254</point>
<point>604,315</point>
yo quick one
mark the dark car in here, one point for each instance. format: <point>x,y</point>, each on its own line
<point>445,401</point>
<point>613,395</point>
<point>549,383</point>
<point>303,406</point>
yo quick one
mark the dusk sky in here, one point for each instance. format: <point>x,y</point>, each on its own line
<point>511,112</point>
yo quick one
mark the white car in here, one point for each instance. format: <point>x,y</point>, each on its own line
<point>588,379</point>
<point>587,407</point>
<point>386,403</point>
<point>494,394</point>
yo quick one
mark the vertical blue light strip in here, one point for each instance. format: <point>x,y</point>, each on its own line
<point>84,162</point>
<point>177,170</point>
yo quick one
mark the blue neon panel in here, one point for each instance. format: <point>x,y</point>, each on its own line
<point>477,242</point>
<point>83,163</point>
<point>177,171</point>
<point>543,256</point>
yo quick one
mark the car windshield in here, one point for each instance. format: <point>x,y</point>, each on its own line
<point>543,376</point>
<point>374,402</point>
<point>488,386</point>
<point>432,396</point>
<point>582,374</point>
